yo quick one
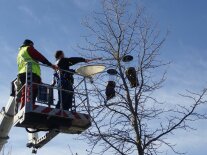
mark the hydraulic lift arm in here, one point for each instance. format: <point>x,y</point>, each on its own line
<point>36,143</point>
<point>6,121</point>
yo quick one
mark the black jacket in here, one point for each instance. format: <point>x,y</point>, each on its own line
<point>65,63</point>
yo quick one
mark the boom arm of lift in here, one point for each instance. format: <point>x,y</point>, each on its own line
<point>6,121</point>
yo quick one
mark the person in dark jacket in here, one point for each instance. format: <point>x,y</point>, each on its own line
<point>66,78</point>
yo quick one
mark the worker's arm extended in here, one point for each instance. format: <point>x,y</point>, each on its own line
<point>38,56</point>
<point>74,60</point>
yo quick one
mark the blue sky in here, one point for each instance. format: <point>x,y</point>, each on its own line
<point>56,24</point>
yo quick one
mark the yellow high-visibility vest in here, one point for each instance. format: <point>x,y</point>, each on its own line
<point>23,58</point>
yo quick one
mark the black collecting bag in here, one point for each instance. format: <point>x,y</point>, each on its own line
<point>110,90</point>
<point>131,75</point>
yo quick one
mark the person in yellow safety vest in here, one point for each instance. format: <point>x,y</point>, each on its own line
<point>27,53</point>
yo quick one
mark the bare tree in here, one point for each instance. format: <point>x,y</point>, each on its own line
<point>133,122</point>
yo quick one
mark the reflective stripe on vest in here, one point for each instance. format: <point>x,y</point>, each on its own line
<point>22,59</point>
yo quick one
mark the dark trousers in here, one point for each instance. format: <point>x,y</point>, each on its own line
<point>65,97</point>
<point>36,79</point>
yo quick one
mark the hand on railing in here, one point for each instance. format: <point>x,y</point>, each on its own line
<point>55,67</point>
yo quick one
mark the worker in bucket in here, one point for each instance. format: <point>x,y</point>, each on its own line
<point>66,79</point>
<point>27,53</point>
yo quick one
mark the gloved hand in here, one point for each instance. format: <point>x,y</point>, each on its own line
<point>89,60</point>
<point>55,67</point>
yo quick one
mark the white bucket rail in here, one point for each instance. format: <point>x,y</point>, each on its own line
<point>79,84</point>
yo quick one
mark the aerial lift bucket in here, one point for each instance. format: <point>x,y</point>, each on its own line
<point>44,117</point>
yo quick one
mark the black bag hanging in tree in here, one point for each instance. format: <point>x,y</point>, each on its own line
<point>131,75</point>
<point>130,72</point>
<point>110,88</point>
